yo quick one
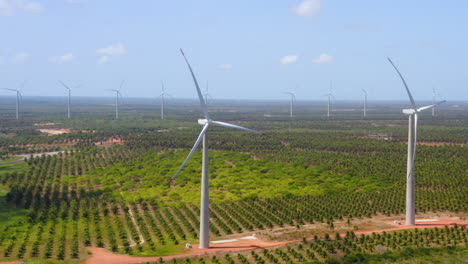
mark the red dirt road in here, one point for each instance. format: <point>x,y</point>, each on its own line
<point>102,256</point>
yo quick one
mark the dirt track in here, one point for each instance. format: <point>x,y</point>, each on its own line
<point>102,256</point>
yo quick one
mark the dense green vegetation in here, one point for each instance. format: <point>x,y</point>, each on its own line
<point>302,171</point>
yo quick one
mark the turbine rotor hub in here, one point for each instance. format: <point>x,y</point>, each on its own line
<point>409,111</point>
<point>204,121</point>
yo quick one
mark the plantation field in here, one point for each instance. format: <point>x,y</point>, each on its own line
<point>304,171</point>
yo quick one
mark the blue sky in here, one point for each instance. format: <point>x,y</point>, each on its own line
<point>245,49</point>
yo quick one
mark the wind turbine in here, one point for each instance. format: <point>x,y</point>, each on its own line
<point>117,95</point>
<point>18,97</point>
<point>329,95</point>
<point>207,94</point>
<point>291,103</point>
<point>412,133</point>
<point>69,98</point>
<point>163,93</point>
<point>434,96</point>
<point>365,102</point>
<point>206,122</point>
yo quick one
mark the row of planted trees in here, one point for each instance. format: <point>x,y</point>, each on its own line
<point>347,248</point>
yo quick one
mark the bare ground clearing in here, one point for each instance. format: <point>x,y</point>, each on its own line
<point>109,142</point>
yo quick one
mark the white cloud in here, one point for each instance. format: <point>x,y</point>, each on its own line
<point>117,49</point>
<point>21,57</point>
<point>307,8</point>
<point>29,6</point>
<point>112,50</point>
<point>225,66</point>
<point>323,58</point>
<point>64,58</point>
<point>103,59</point>
<point>289,59</point>
<point>8,7</point>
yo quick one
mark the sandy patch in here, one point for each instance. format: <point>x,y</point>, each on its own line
<point>224,241</point>
<point>109,142</point>
<point>58,131</point>
<point>46,124</point>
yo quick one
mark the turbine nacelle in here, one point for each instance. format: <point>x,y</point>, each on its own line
<point>204,121</point>
<point>409,111</point>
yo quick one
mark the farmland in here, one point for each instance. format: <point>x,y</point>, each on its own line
<point>106,183</point>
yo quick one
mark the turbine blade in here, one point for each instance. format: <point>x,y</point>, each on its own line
<point>200,96</point>
<point>429,106</point>
<point>122,83</point>
<point>9,89</point>
<point>413,104</point>
<point>64,85</point>
<point>224,124</point>
<point>194,148</point>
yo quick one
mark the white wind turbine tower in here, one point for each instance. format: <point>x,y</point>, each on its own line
<point>434,97</point>
<point>163,93</point>
<point>365,102</point>
<point>330,96</point>
<point>69,98</point>
<point>18,97</point>
<point>207,94</point>
<point>412,133</point>
<point>117,95</point>
<point>206,122</point>
<point>291,102</point>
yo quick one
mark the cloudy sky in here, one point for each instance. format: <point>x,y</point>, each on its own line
<point>245,49</point>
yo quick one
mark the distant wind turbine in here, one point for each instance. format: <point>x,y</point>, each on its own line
<point>291,102</point>
<point>434,97</point>
<point>117,95</point>
<point>18,97</point>
<point>206,122</point>
<point>69,98</point>
<point>412,134</point>
<point>365,102</point>
<point>162,95</point>
<point>330,96</point>
<point>207,94</point>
